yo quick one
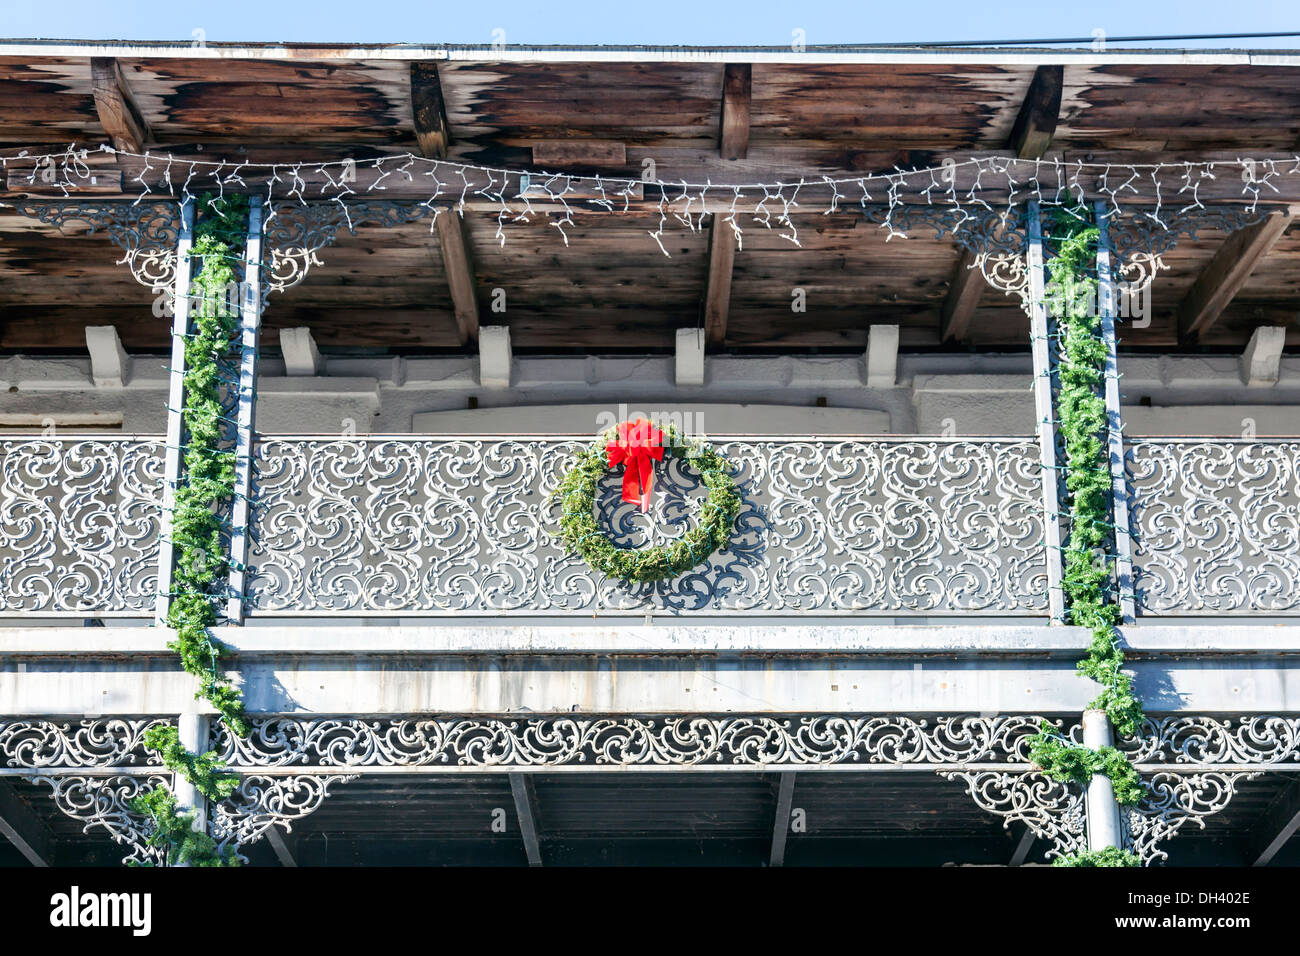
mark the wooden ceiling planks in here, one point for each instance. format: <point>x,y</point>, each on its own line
<point>47,101</point>
<point>1182,110</point>
<point>899,107</point>
<point>639,103</point>
<point>611,287</point>
<point>290,101</point>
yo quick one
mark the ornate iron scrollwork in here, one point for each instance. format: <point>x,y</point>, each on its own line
<point>79,525</point>
<point>1264,740</point>
<point>146,231</point>
<point>1172,801</point>
<point>105,803</point>
<point>1054,811</point>
<point>261,802</point>
<point>1140,238</point>
<point>995,237</point>
<point>1216,525</point>
<point>348,742</point>
<point>438,526</point>
<point>296,232</point>
<point>91,742</point>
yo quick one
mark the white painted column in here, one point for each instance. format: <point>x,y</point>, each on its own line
<point>172,452</point>
<point>193,728</point>
<point>1114,422</point>
<point>250,305</point>
<point>1045,412</point>
<point>1102,810</point>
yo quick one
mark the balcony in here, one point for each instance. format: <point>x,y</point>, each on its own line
<point>434,527</point>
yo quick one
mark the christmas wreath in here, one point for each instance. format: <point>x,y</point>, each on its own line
<point>637,445</point>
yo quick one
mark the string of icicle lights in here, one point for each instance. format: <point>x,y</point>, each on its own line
<point>1153,189</point>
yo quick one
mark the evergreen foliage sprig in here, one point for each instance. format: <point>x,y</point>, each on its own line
<point>203,770</point>
<point>1110,856</point>
<point>1059,759</point>
<point>174,833</point>
<point>581,532</point>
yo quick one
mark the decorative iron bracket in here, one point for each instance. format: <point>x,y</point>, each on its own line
<point>146,231</point>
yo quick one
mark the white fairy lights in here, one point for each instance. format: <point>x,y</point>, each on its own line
<point>972,187</point>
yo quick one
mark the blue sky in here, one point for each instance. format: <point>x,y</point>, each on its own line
<point>657,22</point>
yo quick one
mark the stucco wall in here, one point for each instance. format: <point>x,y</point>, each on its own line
<point>937,394</point>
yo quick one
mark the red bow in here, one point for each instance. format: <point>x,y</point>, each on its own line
<point>638,445</point>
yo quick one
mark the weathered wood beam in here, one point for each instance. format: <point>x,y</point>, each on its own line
<point>781,823</point>
<point>1030,138</point>
<point>23,828</point>
<point>521,787</point>
<point>429,111</point>
<point>1227,273</point>
<point>733,144</point>
<point>459,266</point>
<point>566,154</point>
<point>118,112</point>
<point>1279,824</point>
<point>717,294</point>
<point>1039,113</point>
<point>733,134</point>
<point>964,292</point>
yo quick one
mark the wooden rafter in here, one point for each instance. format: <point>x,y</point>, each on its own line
<point>733,143</point>
<point>429,112</point>
<point>964,293</point>
<point>733,135</point>
<point>118,113</point>
<point>459,266</point>
<point>1227,273</point>
<point>1277,826</point>
<point>717,295</point>
<point>23,828</point>
<point>1039,113</point>
<point>521,788</point>
<point>1030,138</point>
<point>781,823</point>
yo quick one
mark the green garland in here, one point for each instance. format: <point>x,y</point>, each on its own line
<point>174,832</point>
<point>581,533</point>
<point>206,488</point>
<point>1110,856</point>
<point>209,480</point>
<point>1088,569</point>
<point>202,770</point>
<point>1056,758</point>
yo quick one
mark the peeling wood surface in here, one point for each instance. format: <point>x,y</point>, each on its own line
<point>611,287</point>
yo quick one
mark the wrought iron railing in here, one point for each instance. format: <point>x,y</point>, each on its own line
<point>410,525</point>
<point>79,525</point>
<point>420,526</point>
<point>1216,525</point>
